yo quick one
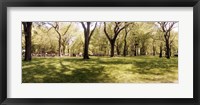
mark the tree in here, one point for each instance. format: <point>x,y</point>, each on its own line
<point>60,34</point>
<point>127,30</point>
<point>43,40</point>
<point>76,46</point>
<point>66,38</point>
<point>99,45</point>
<point>161,40</point>
<point>166,28</point>
<point>99,38</point>
<point>87,34</point>
<point>139,38</point>
<point>118,27</point>
<point>174,43</point>
<point>27,31</point>
<point>65,42</point>
<point>119,44</point>
<point>133,42</point>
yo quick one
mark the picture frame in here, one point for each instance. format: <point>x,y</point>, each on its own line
<point>99,3</point>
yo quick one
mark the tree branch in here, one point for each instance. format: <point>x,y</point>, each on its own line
<point>92,31</point>
<point>83,25</point>
<point>106,32</point>
<point>67,29</point>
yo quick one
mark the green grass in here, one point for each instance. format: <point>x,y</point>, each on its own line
<point>141,69</point>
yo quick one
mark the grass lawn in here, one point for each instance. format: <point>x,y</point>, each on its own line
<point>140,69</point>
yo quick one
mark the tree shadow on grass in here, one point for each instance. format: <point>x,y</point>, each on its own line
<point>97,60</point>
<point>156,66</point>
<point>49,73</point>
<point>114,62</point>
<point>95,70</point>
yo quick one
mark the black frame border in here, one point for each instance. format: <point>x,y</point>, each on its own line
<point>99,3</point>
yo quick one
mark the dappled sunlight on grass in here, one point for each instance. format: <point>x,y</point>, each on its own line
<point>140,69</point>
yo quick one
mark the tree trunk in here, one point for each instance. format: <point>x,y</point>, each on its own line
<point>167,49</point>
<point>59,46</point>
<point>170,50</point>
<point>87,35</point>
<point>117,49</point>
<point>160,51</point>
<point>127,50</point>
<point>64,49</point>
<point>125,47</point>
<point>27,29</point>
<point>68,50</point>
<point>86,46</point>
<point>135,54</point>
<point>112,46</point>
<point>143,50</point>
<point>154,50</point>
